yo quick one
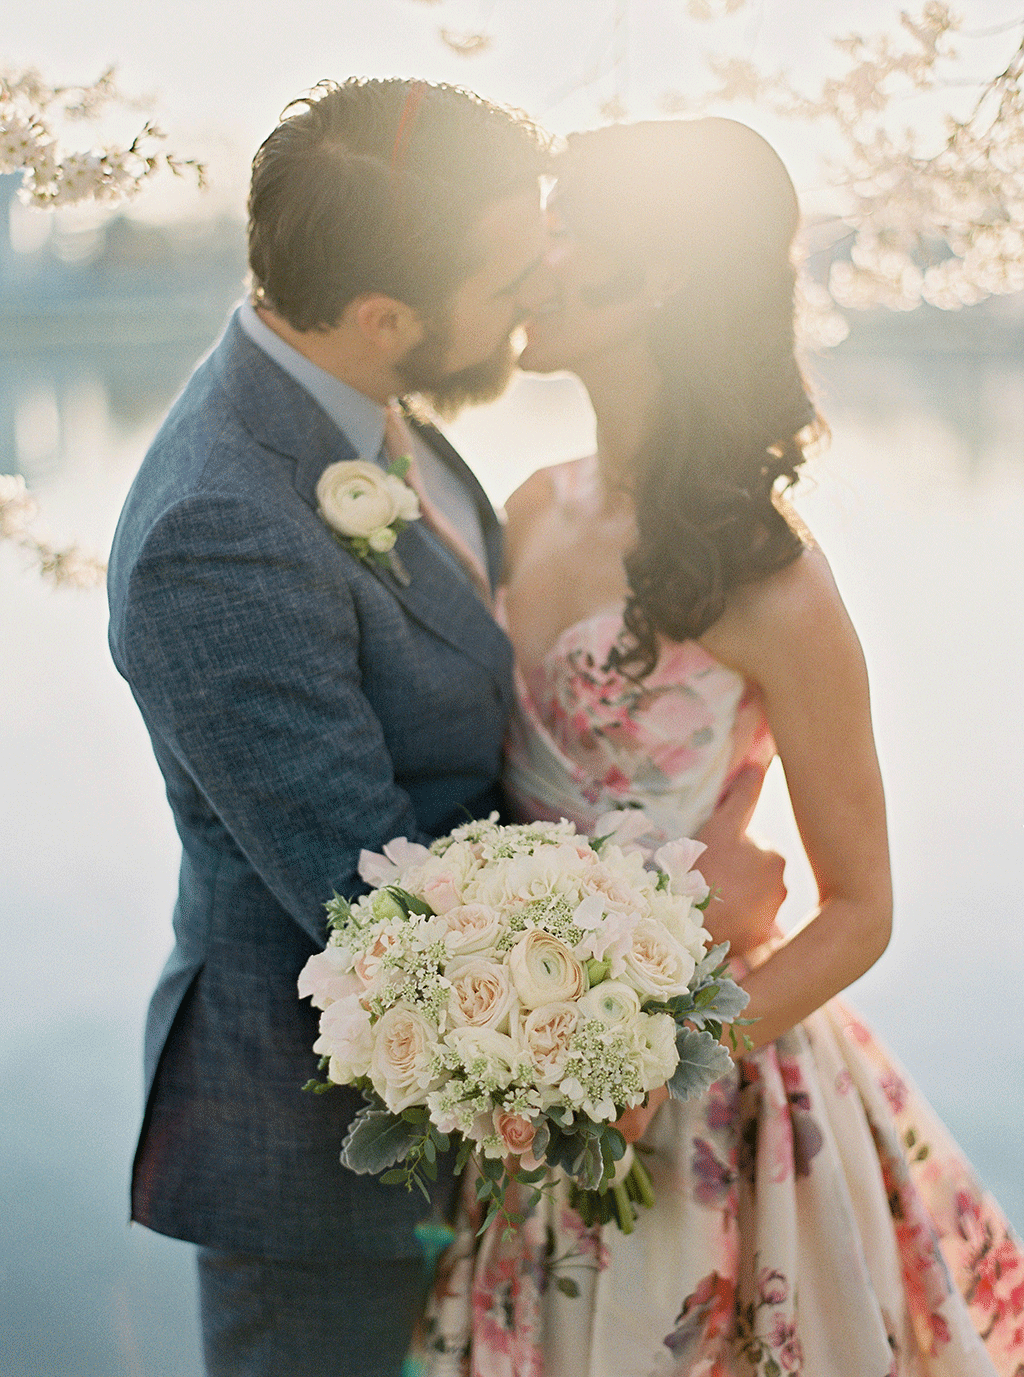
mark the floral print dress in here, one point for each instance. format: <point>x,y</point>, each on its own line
<point>812,1215</point>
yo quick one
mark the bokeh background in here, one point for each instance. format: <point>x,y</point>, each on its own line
<point>919,503</point>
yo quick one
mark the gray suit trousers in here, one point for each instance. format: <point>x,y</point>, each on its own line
<point>287,1319</point>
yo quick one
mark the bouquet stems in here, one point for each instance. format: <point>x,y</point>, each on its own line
<point>620,1200</point>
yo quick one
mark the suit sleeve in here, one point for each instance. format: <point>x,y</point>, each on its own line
<point>241,643</point>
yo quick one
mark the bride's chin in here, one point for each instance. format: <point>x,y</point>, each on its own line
<point>533,360</point>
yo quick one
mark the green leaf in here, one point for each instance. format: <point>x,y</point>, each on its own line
<point>395,1177</point>
<point>376,1140</point>
<point>541,1139</point>
<point>409,901</point>
<point>616,1142</point>
<point>529,1178</point>
<point>415,1114</point>
<point>339,913</point>
<point>492,1168</point>
<point>318,1087</point>
<point>567,1287</point>
<point>429,1150</point>
<point>702,1061</point>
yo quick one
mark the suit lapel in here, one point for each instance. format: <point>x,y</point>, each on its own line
<point>282,416</point>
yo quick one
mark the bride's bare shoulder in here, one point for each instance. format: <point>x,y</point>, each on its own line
<point>791,614</point>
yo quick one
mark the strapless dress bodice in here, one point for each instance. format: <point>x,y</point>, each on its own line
<point>587,738</point>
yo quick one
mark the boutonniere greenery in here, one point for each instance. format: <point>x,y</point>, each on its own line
<point>366,507</point>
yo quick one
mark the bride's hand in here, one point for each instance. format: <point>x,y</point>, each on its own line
<point>633,1123</point>
<point>746,879</point>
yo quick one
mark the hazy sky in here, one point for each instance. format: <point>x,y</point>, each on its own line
<point>222,69</point>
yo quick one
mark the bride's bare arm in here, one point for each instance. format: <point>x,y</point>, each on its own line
<point>791,635</point>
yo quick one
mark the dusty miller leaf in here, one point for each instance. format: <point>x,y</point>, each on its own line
<point>376,1140</point>
<point>702,1061</point>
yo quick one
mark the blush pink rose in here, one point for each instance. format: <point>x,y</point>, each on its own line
<point>516,1131</point>
<point>366,963</point>
<point>440,893</point>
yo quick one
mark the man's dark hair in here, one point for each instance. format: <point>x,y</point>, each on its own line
<point>375,186</point>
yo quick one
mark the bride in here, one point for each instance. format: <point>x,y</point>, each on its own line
<point>674,623</point>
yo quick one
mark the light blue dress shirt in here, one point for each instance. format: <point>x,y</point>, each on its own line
<point>361,420</point>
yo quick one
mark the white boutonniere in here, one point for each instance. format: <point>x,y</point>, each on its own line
<point>366,507</point>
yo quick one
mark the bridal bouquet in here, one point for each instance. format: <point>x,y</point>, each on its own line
<point>519,987</point>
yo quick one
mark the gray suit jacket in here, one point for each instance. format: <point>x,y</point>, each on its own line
<point>301,705</point>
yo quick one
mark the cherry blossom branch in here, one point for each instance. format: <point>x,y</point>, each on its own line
<point>32,113</point>
<point>69,566</point>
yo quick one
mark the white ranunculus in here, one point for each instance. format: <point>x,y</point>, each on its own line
<point>612,1002</point>
<point>544,1035</point>
<point>407,504</point>
<point>345,1037</point>
<point>656,965</point>
<point>356,497</point>
<point>544,970</point>
<point>659,1053</point>
<point>481,993</point>
<point>404,1045</point>
<point>382,541</point>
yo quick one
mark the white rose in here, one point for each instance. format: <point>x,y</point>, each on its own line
<point>481,993</point>
<point>404,1045</point>
<point>544,1035</point>
<point>656,965</point>
<point>345,1037</point>
<point>496,1050</point>
<point>612,1002</point>
<point>471,929</point>
<point>356,498</point>
<point>544,970</point>
<point>659,1053</point>
<point>682,921</point>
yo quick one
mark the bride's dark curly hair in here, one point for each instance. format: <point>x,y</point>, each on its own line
<point>709,207</point>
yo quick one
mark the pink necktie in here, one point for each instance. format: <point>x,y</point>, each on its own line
<point>399,443</point>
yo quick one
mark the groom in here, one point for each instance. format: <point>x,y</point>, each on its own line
<point>304,704</point>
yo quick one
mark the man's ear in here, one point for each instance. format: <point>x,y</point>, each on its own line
<point>389,327</point>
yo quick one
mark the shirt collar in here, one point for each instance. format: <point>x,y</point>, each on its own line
<point>359,418</point>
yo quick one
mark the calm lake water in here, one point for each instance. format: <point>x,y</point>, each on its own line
<point>920,505</point>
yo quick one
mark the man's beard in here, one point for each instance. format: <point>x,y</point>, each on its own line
<point>447,393</point>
